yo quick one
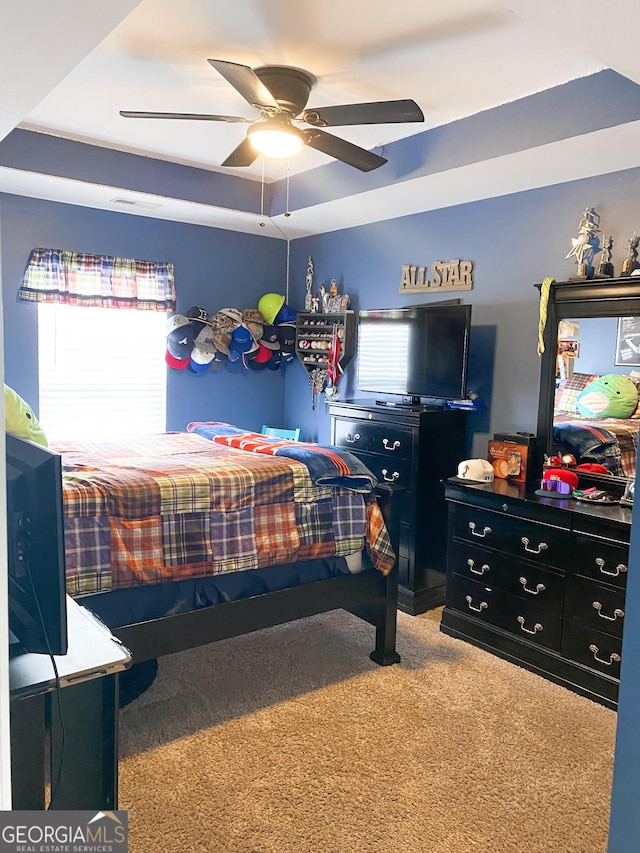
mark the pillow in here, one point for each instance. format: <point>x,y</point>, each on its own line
<point>613,395</point>
<point>19,418</point>
<point>569,389</point>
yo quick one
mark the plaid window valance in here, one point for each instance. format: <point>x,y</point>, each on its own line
<point>76,278</point>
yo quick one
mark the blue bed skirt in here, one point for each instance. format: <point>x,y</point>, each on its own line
<point>120,607</point>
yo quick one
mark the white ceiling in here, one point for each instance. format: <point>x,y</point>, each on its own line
<point>455,59</point>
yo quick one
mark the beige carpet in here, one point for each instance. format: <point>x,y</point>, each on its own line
<point>291,740</point>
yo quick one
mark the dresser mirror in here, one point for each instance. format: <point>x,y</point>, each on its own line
<point>590,331</point>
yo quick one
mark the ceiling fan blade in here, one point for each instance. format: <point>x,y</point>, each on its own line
<point>342,150</point>
<point>377,112</point>
<point>243,155</point>
<point>190,116</point>
<point>245,81</point>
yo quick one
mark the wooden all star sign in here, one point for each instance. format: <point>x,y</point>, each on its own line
<point>444,276</point>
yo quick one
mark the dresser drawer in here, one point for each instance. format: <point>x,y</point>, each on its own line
<point>389,440</point>
<point>601,559</point>
<point>503,572</point>
<point>592,648</point>
<point>527,620</point>
<point>387,470</point>
<point>539,543</point>
<point>596,605</point>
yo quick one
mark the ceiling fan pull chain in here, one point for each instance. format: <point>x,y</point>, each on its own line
<point>262,196</point>
<point>287,211</point>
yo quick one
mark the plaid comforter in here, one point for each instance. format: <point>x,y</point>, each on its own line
<point>328,466</point>
<point>176,506</point>
<point>612,442</point>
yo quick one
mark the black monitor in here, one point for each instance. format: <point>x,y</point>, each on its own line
<point>35,547</point>
<point>419,351</point>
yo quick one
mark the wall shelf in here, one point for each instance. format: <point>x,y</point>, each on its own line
<point>314,331</point>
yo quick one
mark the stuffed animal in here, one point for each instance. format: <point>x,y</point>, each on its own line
<point>610,396</point>
<point>20,419</point>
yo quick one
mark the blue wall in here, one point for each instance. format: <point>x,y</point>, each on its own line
<point>213,268</point>
<point>514,241</point>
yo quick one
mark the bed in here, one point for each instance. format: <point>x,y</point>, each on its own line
<point>181,539</point>
<point>612,442</point>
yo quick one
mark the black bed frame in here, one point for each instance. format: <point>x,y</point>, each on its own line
<point>369,594</point>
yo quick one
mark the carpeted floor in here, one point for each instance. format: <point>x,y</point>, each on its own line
<point>291,739</point>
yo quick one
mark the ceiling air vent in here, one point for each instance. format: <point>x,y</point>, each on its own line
<point>131,202</point>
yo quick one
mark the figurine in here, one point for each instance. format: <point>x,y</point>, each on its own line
<point>324,298</point>
<point>629,264</point>
<point>582,246</point>
<point>308,299</point>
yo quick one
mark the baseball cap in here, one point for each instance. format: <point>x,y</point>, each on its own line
<point>287,338</point>
<point>285,315</point>
<point>275,361</point>
<point>221,342</point>
<point>270,337</point>
<point>181,340</point>
<point>198,366</point>
<point>219,361</point>
<point>475,471</point>
<point>176,363</point>
<point>205,340</point>
<point>175,322</point>
<point>229,317</point>
<point>252,318</point>
<point>198,316</point>
<point>201,356</point>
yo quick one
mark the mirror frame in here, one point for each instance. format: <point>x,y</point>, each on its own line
<point>606,297</point>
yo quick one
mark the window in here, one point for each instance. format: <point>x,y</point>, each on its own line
<point>102,372</point>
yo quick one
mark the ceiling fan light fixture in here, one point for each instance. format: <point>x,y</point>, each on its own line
<point>276,138</point>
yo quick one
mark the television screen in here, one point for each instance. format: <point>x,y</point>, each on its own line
<point>417,352</point>
<point>35,547</point>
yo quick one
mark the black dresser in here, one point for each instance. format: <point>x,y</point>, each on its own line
<point>415,448</point>
<point>539,581</point>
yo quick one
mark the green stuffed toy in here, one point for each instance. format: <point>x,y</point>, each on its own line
<point>609,396</point>
<point>20,419</point>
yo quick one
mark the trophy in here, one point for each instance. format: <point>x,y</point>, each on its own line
<point>632,255</point>
<point>605,267</point>
<point>582,246</point>
<point>308,299</point>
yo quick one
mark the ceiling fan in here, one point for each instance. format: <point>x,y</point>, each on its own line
<point>280,93</point>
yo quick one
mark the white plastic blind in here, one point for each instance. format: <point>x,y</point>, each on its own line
<point>102,372</point>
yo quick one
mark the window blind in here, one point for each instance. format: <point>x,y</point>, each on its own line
<point>102,373</point>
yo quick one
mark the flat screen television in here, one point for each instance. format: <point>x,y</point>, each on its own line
<point>35,548</point>
<point>418,352</point>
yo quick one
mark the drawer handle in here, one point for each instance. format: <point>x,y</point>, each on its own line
<point>541,547</point>
<point>388,446</point>
<point>390,479</point>
<point>613,657</point>
<point>352,439</point>
<point>617,613</point>
<point>537,627</point>
<point>600,563</point>
<point>483,605</point>
<point>485,530</point>
<point>484,568</point>
<point>540,587</point>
